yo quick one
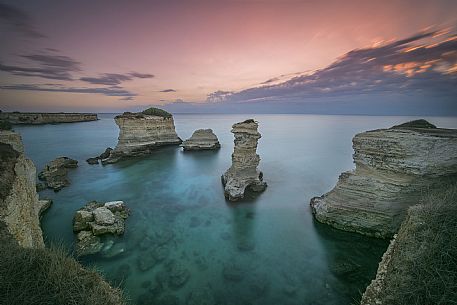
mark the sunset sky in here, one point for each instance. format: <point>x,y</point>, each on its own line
<point>279,56</point>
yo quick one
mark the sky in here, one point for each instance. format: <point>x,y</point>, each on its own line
<point>271,56</point>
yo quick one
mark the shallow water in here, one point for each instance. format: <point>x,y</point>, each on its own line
<point>266,250</point>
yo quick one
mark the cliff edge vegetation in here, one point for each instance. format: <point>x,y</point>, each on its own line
<point>50,276</point>
<point>420,265</point>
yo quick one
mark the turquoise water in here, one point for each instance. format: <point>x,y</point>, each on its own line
<point>266,250</point>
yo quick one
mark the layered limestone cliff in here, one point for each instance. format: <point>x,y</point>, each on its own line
<point>141,133</point>
<point>46,118</point>
<point>202,139</point>
<point>243,173</point>
<point>19,203</point>
<point>392,168</point>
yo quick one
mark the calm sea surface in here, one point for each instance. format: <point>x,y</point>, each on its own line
<point>266,250</point>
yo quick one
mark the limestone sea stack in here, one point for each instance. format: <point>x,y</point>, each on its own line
<point>141,133</point>
<point>393,167</point>
<point>19,204</point>
<point>54,175</point>
<point>202,139</point>
<point>243,173</point>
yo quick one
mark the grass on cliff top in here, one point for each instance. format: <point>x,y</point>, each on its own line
<point>157,112</point>
<point>50,276</point>
<point>423,268</point>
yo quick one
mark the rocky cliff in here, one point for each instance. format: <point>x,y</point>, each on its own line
<point>19,203</point>
<point>141,133</point>
<point>392,168</point>
<point>201,139</point>
<point>46,118</point>
<point>243,173</point>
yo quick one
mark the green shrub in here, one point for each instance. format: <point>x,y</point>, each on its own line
<point>157,112</point>
<point>50,276</point>
<point>5,125</point>
<point>423,269</point>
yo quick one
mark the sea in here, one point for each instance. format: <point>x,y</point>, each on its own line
<point>266,249</point>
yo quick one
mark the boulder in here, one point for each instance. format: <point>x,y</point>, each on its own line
<point>201,139</point>
<point>97,219</point>
<point>243,173</point>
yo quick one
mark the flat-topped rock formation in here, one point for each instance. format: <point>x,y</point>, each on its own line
<point>20,206</point>
<point>97,219</point>
<point>54,175</point>
<point>243,173</point>
<point>392,168</point>
<point>202,139</point>
<point>141,133</point>
<point>36,118</point>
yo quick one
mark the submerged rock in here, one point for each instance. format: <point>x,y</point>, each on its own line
<point>392,167</point>
<point>19,204</point>
<point>55,173</point>
<point>141,133</point>
<point>178,275</point>
<point>95,219</point>
<point>202,139</point>
<point>243,173</point>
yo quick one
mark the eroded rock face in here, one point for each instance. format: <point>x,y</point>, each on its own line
<point>19,203</point>
<point>46,118</point>
<point>54,175</point>
<point>243,173</point>
<point>142,133</point>
<point>96,220</point>
<point>392,168</point>
<point>202,139</point>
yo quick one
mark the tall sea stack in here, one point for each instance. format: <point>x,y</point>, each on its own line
<point>243,173</point>
<point>393,167</point>
<point>140,133</point>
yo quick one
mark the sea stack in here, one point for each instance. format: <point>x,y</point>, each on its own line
<point>19,204</point>
<point>243,173</point>
<point>141,133</point>
<point>202,139</point>
<point>392,169</point>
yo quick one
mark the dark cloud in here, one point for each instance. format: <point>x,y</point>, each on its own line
<point>114,78</point>
<point>20,20</point>
<point>127,98</point>
<point>398,67</point>
<point>108,91</point>
<point>168,90</point>
<point>45,66</point>
<point>141,75</point>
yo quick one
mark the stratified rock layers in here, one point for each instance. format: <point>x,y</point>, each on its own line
<point>19,203</point>
<point>202,139</point>
<point>36,118</point>
<point>141,133</point>
<point>55,173</point>
<point>392,168</point>
<point>243,173</point>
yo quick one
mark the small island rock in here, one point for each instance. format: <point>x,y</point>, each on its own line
<point>54,175</point>
<point>201,139</point>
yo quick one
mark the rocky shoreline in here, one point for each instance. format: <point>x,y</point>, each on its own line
<point>38,118</point>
